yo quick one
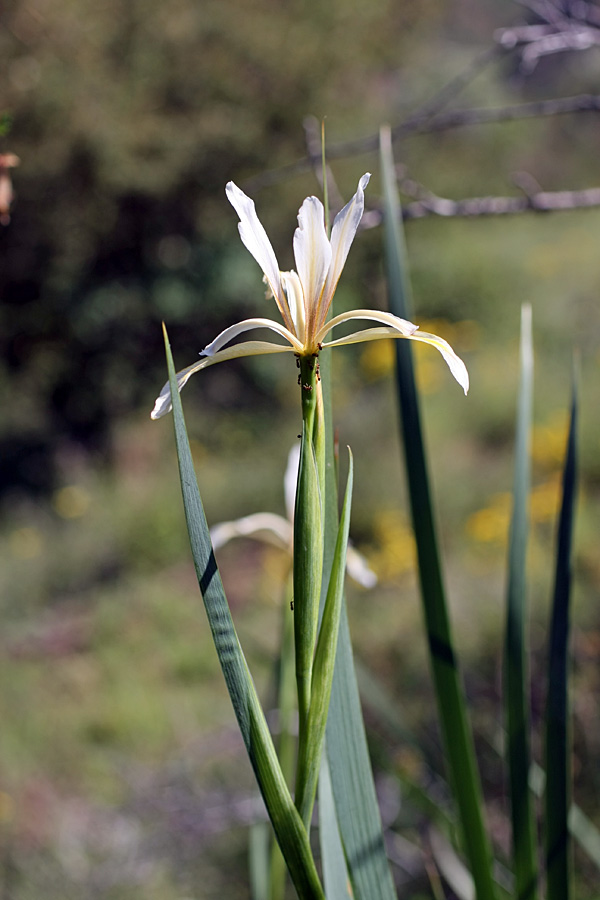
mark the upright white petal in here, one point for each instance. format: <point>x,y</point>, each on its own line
<point>342,234</point>
<point>312,252</point>
<point>255,239</point>
<point>295,300</point>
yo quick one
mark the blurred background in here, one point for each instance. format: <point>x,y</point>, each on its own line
<point>121,771</point>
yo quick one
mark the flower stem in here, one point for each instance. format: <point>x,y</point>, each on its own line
<point>308,549</point>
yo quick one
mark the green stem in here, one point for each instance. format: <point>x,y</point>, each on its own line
<point>308,550</point>
<point>324,663</point>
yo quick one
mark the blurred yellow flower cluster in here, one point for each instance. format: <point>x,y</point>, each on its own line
<point>490,524</point>
<point>394,553</point>
<point>550,440</point>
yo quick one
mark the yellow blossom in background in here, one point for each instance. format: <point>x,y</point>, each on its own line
<point>490,525</point>
<point>545,500</point>
<point>71,502</point>
<point>394,552</point>
<point>550,440</point>
<point>377,360</point>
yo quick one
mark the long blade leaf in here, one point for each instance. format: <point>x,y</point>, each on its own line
<point>335,873</point>
<point>287,824</point>
<point>558,782</point>
<point>515,669</point>
<point>458,740</point>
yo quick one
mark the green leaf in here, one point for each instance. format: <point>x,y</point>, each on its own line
<point>258,859</point>
<point>516,681</point>
<point>558,780</point>
<point>287,824</point>
<point>452,710</point>
<point>335,873</point>
<point>309,761</point>
<point>582,829</point>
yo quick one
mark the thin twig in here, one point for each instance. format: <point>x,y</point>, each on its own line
<point>566,27</point>
<point>414,122</point>
<point>543,201</point>
<point>458,118</point>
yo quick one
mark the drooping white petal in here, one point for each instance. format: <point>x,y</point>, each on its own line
<point>255,239</point>
<point>343,231</point>
<point>360,337</point>
<point>396,324</point>
<point>295,299</point>
<point>267,527</point>
<point>247,325</point>
<point>455,363</point>
<point>249,348</point>
<point>312,253</point>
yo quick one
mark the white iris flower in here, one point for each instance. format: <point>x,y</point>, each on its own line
<point>304,297</point>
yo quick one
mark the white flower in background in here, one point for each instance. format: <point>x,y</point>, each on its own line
<point>304,297</point>
<point>279,531</point>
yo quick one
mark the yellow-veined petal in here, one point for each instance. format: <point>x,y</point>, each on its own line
<point>401,326</point>
<point>312,253</point>
<point>295,298</point>
<point>255,239</point>
<point>248,325</point>
<point>455,363</point>
<point>343,231</point>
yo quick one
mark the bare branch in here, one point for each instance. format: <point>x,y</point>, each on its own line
<point>543,201</point>
<point>368,144</point>
<point>458,118</point>
<point>572,28</point>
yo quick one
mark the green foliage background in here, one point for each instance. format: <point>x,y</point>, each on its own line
<point>120,772</point>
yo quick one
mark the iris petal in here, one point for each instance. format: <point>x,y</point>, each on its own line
<point>396,324</point>
<point>343,231</point>
<point>455,363</point>
<point>255,239</point>
<point>247,325</point>
<point>312,253</point>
